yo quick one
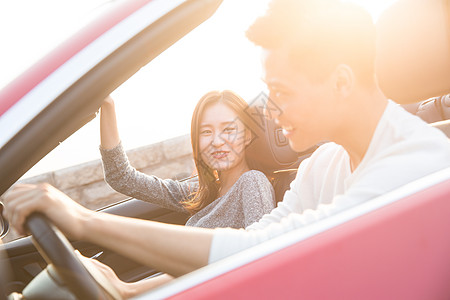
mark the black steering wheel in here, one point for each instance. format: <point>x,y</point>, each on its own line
<point>57,250</point>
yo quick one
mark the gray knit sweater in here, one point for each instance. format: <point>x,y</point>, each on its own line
<point>246,202</point>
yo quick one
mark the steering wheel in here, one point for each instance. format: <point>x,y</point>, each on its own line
<point>57,250</point>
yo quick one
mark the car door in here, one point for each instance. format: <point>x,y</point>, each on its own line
<point>64,91</point>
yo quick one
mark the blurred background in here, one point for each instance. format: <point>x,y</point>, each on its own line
<point>186,71</point>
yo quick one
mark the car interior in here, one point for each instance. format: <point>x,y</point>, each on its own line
<point>411,257</point>
<point>277,160</point>
<point>71,111</point>
<point>273,156</point>
<point>427,39</point>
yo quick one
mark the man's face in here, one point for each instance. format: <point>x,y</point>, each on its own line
<point>307,110</point>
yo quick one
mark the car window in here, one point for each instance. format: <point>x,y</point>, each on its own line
<point>154,109</point>
<point>156,103</point>
<point>154,106</point>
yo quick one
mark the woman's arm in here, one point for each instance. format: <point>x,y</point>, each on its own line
<point>125,179</point>
<point>109,134</point>
<point>172,249</point>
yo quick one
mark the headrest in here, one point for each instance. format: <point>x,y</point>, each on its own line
<point>431,110</point>
<point>413,50</point>
<point>269,150</point>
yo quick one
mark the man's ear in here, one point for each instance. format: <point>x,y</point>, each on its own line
<point>343,80</point>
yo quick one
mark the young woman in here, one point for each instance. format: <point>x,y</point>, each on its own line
<point>228,192</point>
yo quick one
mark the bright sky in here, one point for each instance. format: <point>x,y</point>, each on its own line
<point>29,28</point>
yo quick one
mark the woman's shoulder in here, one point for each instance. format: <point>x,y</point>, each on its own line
<point>256,189</point>
<point>252,176</point>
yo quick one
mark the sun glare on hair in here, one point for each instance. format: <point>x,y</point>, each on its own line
<point>374,7</point>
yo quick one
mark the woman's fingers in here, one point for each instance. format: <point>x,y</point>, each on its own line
<point>108,101</point>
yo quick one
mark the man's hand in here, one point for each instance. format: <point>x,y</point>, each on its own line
<point>62,211</point>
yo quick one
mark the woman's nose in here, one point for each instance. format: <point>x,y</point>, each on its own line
<point>218,140</point>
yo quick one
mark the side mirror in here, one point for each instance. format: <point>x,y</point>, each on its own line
<point>4,224</point>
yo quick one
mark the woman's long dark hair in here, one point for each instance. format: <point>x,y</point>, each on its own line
<point>208,185</point>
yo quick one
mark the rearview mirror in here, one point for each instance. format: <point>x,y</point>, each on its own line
<point>4,224</point>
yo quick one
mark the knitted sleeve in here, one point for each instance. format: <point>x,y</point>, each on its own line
<point>125,179</point>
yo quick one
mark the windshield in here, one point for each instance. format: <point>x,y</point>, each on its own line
<point>155,106</point>
<point>214,56</point>
<point>157,102</point>
<point>30,29</point>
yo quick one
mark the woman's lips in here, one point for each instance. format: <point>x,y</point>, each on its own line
<point>220,154</point>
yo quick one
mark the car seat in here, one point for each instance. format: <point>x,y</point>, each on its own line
<point>435,111</point>
<point>431,110</point>
<point>413,50</point>
<point>413,58</point>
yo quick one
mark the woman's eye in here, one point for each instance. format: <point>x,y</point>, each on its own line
<point>230,129</point>
<point>205,132</point>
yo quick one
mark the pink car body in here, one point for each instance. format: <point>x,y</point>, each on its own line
<point>396,246</point>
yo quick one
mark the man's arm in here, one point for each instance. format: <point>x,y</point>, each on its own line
<point>129,289</point>
<point>173,249</point>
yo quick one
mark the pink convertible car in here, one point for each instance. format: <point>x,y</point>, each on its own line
<point>396,246</point>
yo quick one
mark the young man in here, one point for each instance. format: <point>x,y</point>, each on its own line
<point>319,67</point>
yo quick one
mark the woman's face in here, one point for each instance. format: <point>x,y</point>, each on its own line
<point>222,138</point>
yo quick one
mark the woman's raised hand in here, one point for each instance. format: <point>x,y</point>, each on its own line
<point>109,133</point>
<point>108,101</point>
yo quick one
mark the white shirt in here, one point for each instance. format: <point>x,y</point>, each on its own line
<point>403,148</point>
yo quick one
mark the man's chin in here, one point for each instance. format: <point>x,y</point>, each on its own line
<point>300,147</point>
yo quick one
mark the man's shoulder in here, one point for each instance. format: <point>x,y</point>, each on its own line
<point>407,141</point>
<point>328,157</point>
<point>327,151</point>
<point>410,126</point>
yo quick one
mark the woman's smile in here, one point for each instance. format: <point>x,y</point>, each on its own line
<point>220,154</point>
